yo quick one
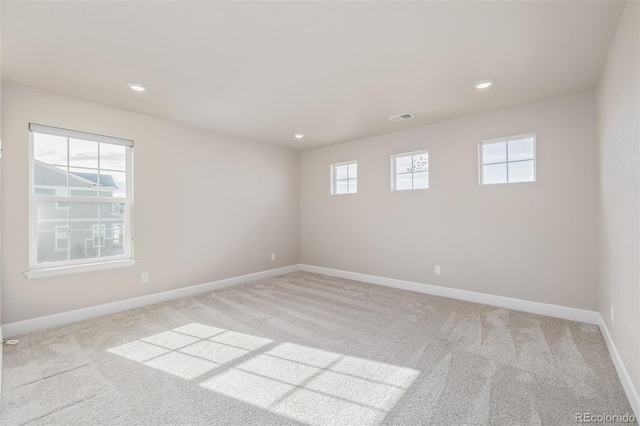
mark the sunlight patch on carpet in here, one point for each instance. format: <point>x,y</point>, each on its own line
<point>309,385</point>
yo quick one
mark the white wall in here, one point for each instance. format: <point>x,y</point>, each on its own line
<point>532,241</point>
<point>207,207</point>
<point>619,190</point>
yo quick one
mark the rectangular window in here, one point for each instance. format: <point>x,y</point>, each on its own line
<point>98,235</point>
<point>62,238</point>
<point>508,160</point>
<point>410,171</point>
<point>344,178</point>
<point>80,198</point>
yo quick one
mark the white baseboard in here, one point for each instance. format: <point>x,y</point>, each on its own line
<point>625,378</point>
<point>50,321</point>
<point>564,312</point>
<point>27,326</point>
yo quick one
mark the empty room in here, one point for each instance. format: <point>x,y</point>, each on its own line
<point>320,212</point>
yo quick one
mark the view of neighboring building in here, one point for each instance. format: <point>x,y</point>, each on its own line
<point>77,230</point>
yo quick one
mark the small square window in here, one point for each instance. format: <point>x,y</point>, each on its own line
<point>508,160</point>
<point>344,178</point>
<point>410,171</point>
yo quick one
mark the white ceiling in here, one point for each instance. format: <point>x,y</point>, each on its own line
<point>331,70</point>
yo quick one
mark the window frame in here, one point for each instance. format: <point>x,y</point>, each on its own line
<point>394,170</point>
<point>507,139</point>
<point>38,270</point>
<point>334,180</point>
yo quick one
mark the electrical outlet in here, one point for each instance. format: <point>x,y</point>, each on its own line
<point>144,277</point>
<point>436,270</point>
<point>273,256</point>
<point>613,318</point>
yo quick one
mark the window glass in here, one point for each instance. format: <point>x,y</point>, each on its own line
<point>344,178</point>
<point>72,176</point>
<point>411,171</point>
<point>508,160</point>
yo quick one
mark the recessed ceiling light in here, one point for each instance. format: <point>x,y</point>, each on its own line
<point>483,84</point>
<point>138,87</point>
<point>299,135</point>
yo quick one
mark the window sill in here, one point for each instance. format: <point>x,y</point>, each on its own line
<point>75,269</point>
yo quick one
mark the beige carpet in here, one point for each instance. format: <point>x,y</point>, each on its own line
<point>309,349</point>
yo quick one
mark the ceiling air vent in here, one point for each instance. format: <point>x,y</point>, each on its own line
<point>401,117</point>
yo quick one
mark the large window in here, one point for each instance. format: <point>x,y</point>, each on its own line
<point>80,198</point>
<point>508,160</point>
<point>344,178</point>
<point>410,171</point>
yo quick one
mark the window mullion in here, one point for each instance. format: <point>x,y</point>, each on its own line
<point>98,177</point>
<point>99,208</point>
<point>99,231</point>
<point>68,232</point>
<point>413,170</point>
<point>507,145</point>
<point>78,199</point>
<point>68,169</point>
<point>68,203</point>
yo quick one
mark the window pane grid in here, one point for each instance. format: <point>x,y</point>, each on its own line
<point>406,166</point>
<point>104,231</point>
<point>507,147</point>
<point>64,166</point>
<point>507,162</point>
<point>99,180</point>
<point>344,178</point>
<point>71,183</point>
<point>517,151</point>
<point>98,172</point>
<point>79,199</point>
